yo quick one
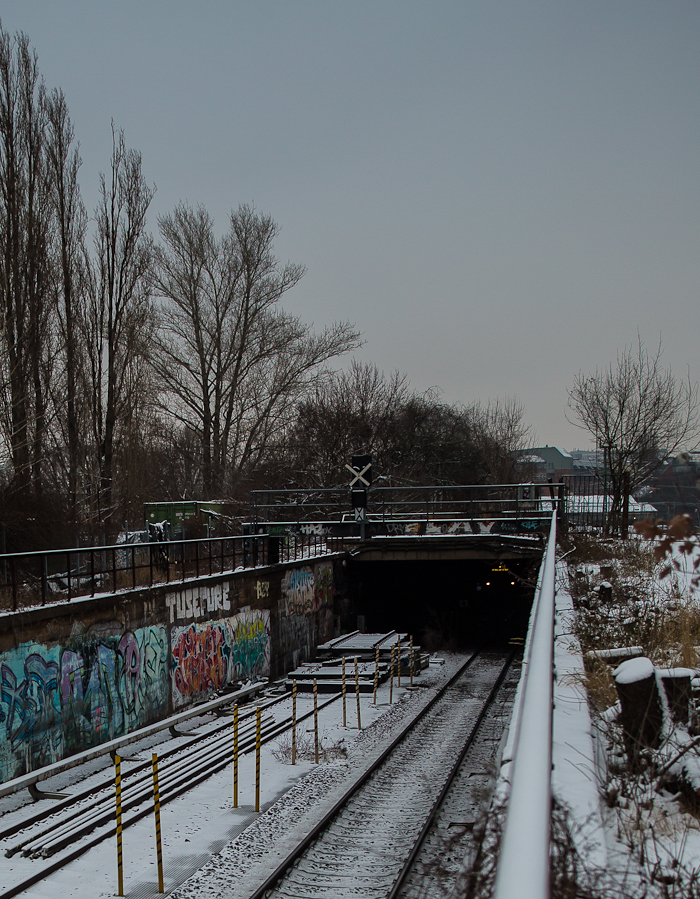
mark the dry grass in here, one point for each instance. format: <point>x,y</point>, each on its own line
<point>600,685</point>
<point>282,750</point>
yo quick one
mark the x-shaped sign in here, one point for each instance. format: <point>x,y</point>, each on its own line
<point>358,475</point>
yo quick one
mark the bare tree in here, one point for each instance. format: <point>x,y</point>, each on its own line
<point>501,435</point>
<point>639,414</point>
<point>70,218</point>
<point>414,438</point>
<point>232,364</point>
<point>118,322</point>
<point>24,264</point>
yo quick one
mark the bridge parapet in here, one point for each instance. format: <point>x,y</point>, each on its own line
<point>61,575</point>
<point>405,506</point>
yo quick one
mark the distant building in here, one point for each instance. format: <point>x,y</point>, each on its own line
<point>550,463</point>
<point>675,489</point>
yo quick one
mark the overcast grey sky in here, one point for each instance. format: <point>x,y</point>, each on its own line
<point>497,193</point>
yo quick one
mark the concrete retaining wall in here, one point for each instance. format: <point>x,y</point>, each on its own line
<point>78,674</point>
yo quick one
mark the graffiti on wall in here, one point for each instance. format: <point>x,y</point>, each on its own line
<point>198,602</point>
<point>206,657</point>
<point>307,589</point>
<point>296,638</point>
<point>55,701</point>
<point>298,590</point>
<point>323,594</point>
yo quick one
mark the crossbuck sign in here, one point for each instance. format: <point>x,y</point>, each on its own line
<point>359,474</point>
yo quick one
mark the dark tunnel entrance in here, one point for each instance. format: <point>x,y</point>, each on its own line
<point>448,604</point>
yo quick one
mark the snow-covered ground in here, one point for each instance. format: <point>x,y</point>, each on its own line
<point>212,849</point>
<point>649,841</point>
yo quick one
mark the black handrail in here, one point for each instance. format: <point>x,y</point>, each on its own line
<point>61,575</point>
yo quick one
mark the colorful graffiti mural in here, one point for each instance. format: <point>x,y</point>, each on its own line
<point>55,701</point>
<point>298,591</point>
<point>323,591</point>
<point>205,657</point>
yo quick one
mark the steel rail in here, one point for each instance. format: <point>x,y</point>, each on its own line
<point>193,739</point>
<point>270,734</point>
<point>523,863</point>
<point>29,780</point>
<point>133,780</point>
<point>321,826</point>
<point>211,747</point>
<point>174,784</point>
<point>454,771</point>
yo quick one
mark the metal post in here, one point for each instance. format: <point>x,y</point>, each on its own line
<point>235,756</point>
<point>345,720</point>
<point>411,659</point>
<point>257,760</point>
<point>391,682</point>
<point>398,666</point>
<point>114,569</point>
<point>133,566</point>
<point>183,558</point>
<point>92,572</point>
<point>118,794</point>
<point>13,576</point>
<point>315,721</point>
<point>376,673</point>
<point>294,722</point>
<point>150,565</point>
<point>68,574</point>
<point>156,811</point>
<point>196,558</point>
<point>357,694</point>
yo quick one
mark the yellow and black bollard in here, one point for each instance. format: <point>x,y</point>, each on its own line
<point>345,719</point>
<point>376,674</point>
<point>315,721</point>
<point>156,812</point>
<point>391,680</point>
<point>257,760</point>
<point>398,663</point>
<point>118,792</point>
<point>357,694</point>
<point>411,660</point>
<point>294,722</point>
<point>235,756</point>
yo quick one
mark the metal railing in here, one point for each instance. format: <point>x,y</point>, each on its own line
<point>388,504</point>
<point>62,575</point>
<point>523,863</point>
<point>34,777</point>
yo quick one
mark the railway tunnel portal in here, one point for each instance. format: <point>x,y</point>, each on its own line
<point>454,566</point>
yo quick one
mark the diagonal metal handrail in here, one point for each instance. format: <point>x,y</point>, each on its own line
<point>523,863</point>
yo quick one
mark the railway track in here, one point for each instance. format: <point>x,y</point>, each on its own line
<point>57,835</point>
<point>368,844</point>
<point>450,840</point>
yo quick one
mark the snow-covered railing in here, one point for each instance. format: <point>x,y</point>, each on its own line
<point>523,863</point>
<point>62,575</point>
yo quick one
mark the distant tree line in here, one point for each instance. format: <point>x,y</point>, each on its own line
<point>136,368</point>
